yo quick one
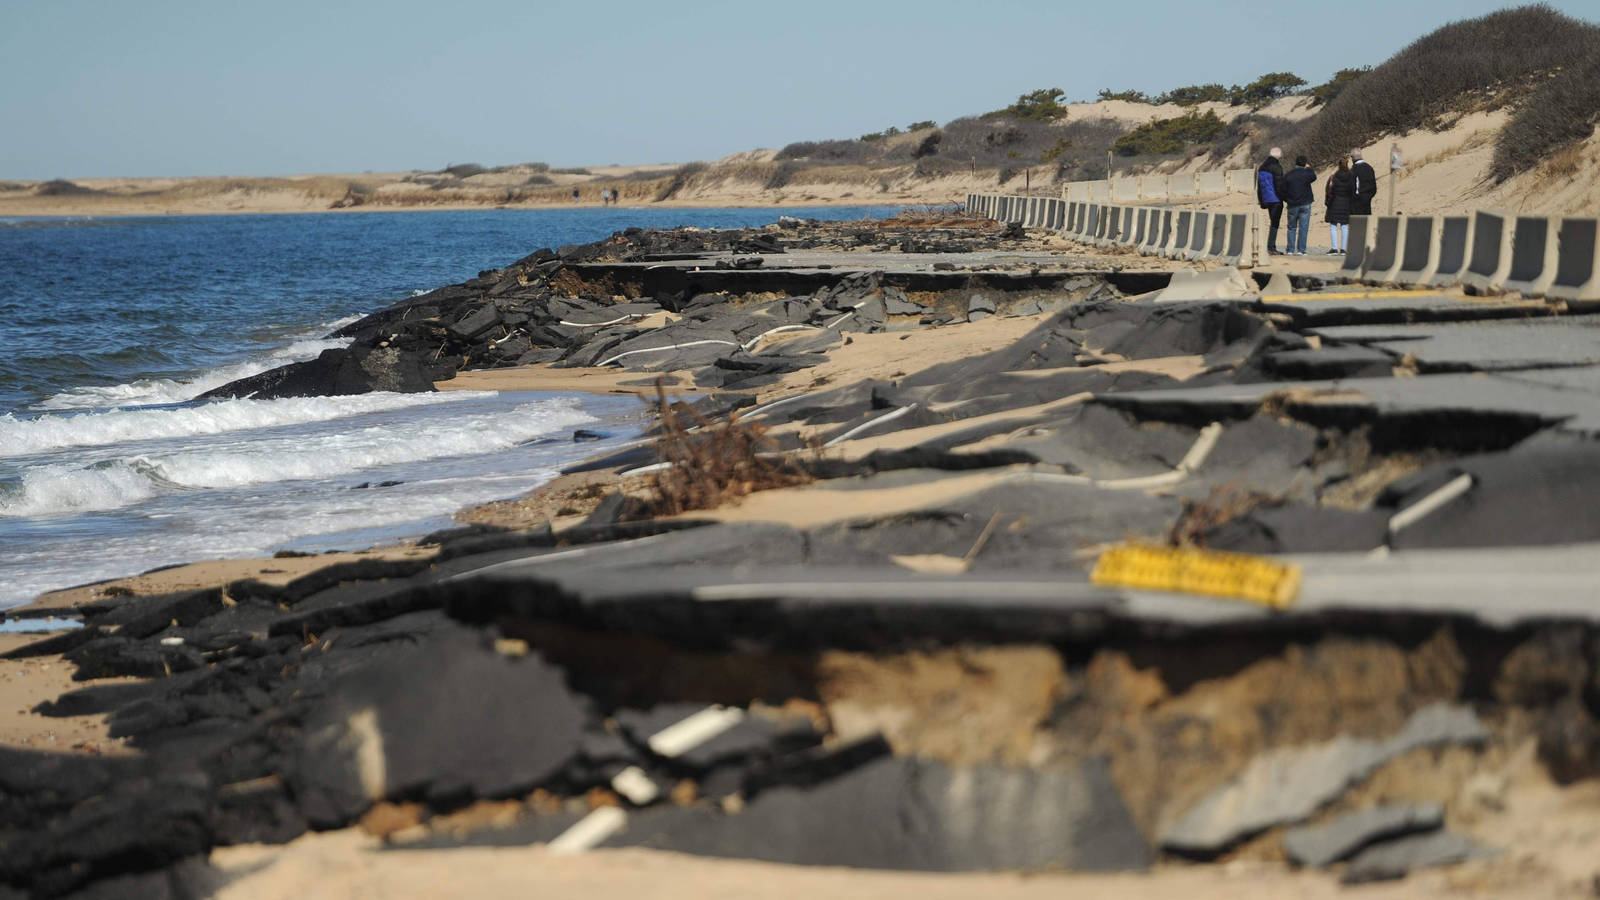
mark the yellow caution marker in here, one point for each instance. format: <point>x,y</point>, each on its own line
<point>1238,576</point>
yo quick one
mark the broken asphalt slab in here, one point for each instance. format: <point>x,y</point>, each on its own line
<point>1288,784</point>
<point>1322,845</point>
<point>901,813</point>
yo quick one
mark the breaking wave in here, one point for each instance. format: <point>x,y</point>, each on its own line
<point>27,436</point>
<point>53,489</point>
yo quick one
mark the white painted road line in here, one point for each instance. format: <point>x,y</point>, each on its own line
<point>590,832</point>
<point>695,730</point>
<point>865,426</point>
<point>1421,509</point>
<point>634,784</point>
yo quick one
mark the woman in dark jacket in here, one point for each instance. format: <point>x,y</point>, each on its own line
<point>1341,188</point>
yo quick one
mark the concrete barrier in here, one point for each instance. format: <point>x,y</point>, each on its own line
<point>1141,224</point>
<point>1242,180</point>
<point>1355,256</point>
<point>1124,224</point>
<point>1237,251</point>
<point>1036,212</point>
<point>1577,263</point>
<point>1219,235</point>
<point>1124,190</point>
<point>1419,251</point>
<point>1534,243</point>
<point>1199,236</point>
<point>1180,235</point>
<point>1115,223</point>
<point>1110,221</point>
<point>1078,191</point>
<point>1100,192</point>
<point>1455,243</point>
<point>1490,259</point>
<point>1153,188</point>
<point>1160,227</point>
<point>1074,215</point>
<point>1211,184</point>
<point>1182,187</point>
<point>1091,222</point>
<point>1383,259</point>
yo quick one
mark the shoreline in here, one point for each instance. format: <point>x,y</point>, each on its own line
<point>55,210</point>
<point>970,432</point>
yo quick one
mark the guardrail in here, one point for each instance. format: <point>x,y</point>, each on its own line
<point>1486,252</point>
<point>1234,238</point>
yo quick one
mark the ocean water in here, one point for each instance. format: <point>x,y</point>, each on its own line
<point>110,327</point>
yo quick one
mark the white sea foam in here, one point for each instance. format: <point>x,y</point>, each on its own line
<point>155,391</point>
<point>22,437</point>
<point>57,488</point>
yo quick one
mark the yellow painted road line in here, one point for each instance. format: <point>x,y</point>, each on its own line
<point>1238,576</point>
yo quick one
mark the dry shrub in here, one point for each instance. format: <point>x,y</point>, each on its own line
<point>1432,75</point>
<point>714,462</point>
<point>1561,113</point>
<point>680,180</point>
<point>1224,504</point>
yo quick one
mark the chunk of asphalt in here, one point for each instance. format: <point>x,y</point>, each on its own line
<point>1298,528</point>
<point>609,511</point>
<point>912,814</point>
<point>1397,858</point>
<point>1101,442</point>
<point>152,614</point>
<point>1288,784</point>
<point>1261,452</point>
<point>729,740</point>
<point>449,720</point>
<point>1040,525</point>
<point>1330,362</point>
<point>1541,494</point>
<point>71,820</point>
<point>1322,845</point>
<point>477,322</point>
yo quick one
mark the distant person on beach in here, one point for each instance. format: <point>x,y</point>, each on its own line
<point>1337,196</point>
<point>1366,185</point>
<point>574,195</point>
<point>1269,187</point>
<point>1298,194</point>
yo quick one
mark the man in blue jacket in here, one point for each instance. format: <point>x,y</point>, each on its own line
<point>1298,194</point>
<point>1269,187</point>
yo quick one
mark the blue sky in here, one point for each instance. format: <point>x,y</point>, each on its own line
<point>95,88</point>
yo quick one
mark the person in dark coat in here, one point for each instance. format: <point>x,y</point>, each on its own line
<point>1366,185</point>
<point>1299,192</point>
<point>1337,195</point>
<point>1269,193</point>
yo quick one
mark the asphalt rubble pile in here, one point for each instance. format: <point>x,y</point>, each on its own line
<point>809,694</point>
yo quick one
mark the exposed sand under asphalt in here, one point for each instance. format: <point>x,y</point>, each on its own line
<point>1550,835</point>
<point>25,683</point>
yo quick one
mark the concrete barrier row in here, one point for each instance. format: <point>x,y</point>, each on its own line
<point>1235,238</point>
<point>1134,190</point>
<point>1487,252</point>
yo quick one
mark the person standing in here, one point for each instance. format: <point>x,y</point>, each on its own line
<point>1298,195</point>
<point>1366,185</point>
<point>1337,196</point>
<point>1269,191</point>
